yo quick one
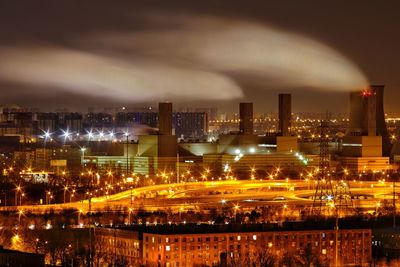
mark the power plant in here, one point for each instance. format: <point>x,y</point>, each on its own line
<point>366,145</point>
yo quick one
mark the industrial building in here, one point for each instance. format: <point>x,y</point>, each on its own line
<point>366,146</point>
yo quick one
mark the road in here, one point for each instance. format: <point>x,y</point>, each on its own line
<point>209,194</point>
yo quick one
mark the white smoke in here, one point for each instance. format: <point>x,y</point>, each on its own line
<point>96,75</point>
<point>195,58</point>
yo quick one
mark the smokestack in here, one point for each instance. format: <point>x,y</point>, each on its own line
<point>246,118</point>
<point>367,116</point>
<point>165,118</point>
<point>285,113</point>
<point>356,120</point>
<point>369,107</point>
<point>381,128</point>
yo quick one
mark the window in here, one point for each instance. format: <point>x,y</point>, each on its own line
<point>215,238</point>
<point>254,237</point>
<point>239,238</point>
<point>167,248</point>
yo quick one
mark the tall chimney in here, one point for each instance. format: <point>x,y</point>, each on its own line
<point>369,106</point>
<point>246,118</point>
<point>381,128</point>
<point>165,118</point>
<point>285,113</point>
<point>356,119</point>
<point>367,116</point>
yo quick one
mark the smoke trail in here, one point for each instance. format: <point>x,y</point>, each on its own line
<point>99,76</point>
<point>191,58</point>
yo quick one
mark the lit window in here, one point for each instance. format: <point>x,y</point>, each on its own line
<point>254,237</point>
<point>238,238</point>
<point>270,244</point>
<point>324,251</point>
<point>167,248</point>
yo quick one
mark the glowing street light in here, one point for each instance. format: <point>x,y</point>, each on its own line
<point>47,135</point>
<point>65,191</point>
<point>66,134</point>
<point>17,189</point>
<point>83,149</point>
<point>79,215</point>
<point>20,213</point>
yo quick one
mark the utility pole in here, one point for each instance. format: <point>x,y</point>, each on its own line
<point>177,168</point>
<point>90,231</point>
<point>127,155</point>
<point>336,238</point>
<point>394,200</point>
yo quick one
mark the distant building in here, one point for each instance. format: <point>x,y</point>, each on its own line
<point>190,124</point>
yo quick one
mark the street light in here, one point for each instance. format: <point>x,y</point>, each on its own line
<point>16,194</point>
<point>83,149</point>
<point>129,215</point>
<point>20,198</point>
<point>20,213</point>
<point>65,191</point>
<point>79,216</point>
<point>71,195</point>
<point>66,134</point>
<point>127,153</point>
<point>235,209</point>
<point>47,135</point>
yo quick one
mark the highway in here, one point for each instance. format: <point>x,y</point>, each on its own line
<point>215,194</point>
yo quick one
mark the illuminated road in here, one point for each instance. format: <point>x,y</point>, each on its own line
<point>214,194</point>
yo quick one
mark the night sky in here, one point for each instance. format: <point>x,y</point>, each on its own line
<point>77,54</point>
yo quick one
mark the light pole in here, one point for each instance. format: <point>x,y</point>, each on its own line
<point>20,212</point>
<point>71,195</point>
<point>235,209</point>
<point>79,216</point>
<point>127,154</point>
<point>16,194</point>
<point>20,198</point>
<point>129,215</point>
<point>65,191</point>
<point>83,149</point>
<point>394,201</point>
<point>47,135</point>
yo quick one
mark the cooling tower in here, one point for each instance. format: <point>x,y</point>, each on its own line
<point>165,118</point>
<point>367,116</point>
<point>285,114</point>
<point>381,128</point>
<point>356,122</point>
<point>369,108</point>
<point>246,118</point>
